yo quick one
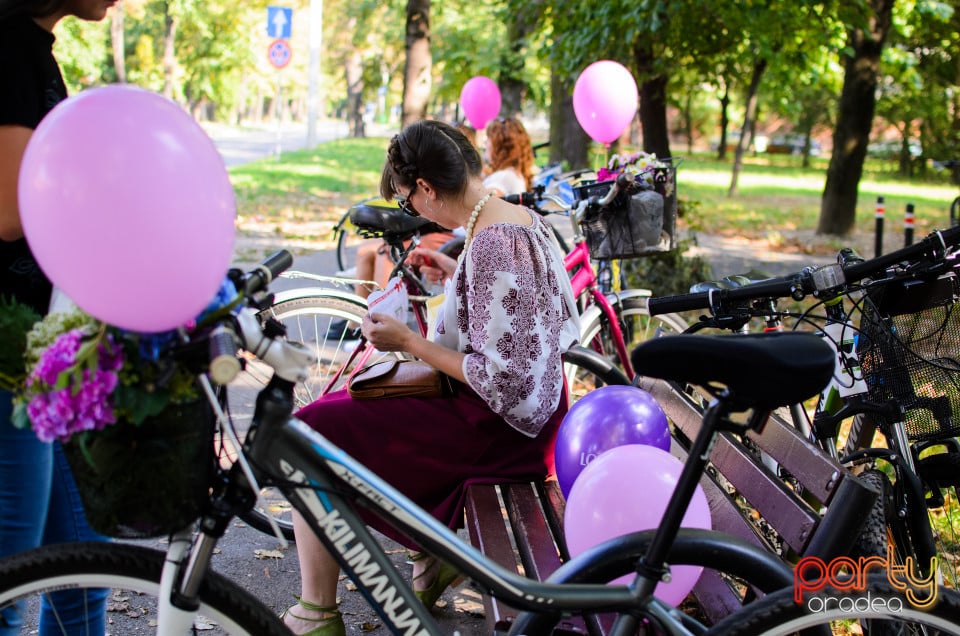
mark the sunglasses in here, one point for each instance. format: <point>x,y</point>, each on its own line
<point>404,202</point>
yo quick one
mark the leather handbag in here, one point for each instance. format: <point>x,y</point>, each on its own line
<point>399,378</point>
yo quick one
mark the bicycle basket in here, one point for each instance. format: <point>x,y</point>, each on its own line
<point>146,480</point>
<point>632,225</point>
<point>909,350</point>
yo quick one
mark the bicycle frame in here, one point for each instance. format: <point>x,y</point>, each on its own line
<point>324,484</point>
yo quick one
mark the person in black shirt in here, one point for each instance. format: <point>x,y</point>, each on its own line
<point>39,503</point>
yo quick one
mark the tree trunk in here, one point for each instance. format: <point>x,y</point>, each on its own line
<point>568,141</point>
<point>116,41</point>
<point>750,116</point>
<point>417,80</point>
<point>169,55</point>
<point>653,102</point>
<point>724,123</point>
<point>354,77</point>
<point>838,207</point>
<point>513,88</point>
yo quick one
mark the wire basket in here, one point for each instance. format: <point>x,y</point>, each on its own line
<point>146,480</point>
<point>635,225</point>
<point>909,350</point>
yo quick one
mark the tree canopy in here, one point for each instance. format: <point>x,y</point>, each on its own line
<point>705,69</point>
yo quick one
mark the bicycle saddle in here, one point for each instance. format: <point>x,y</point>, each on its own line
<point>765,370</point>
<point>391,223</point>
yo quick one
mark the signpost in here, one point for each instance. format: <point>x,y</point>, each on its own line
<point>279,27</point>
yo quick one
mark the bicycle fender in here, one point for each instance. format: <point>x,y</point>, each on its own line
<point>593,312</point>
<point>318,292</point>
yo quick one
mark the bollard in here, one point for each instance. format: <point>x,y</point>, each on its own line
<point>908,226</point>
<point>878,229</point>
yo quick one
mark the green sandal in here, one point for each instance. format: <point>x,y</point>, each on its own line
<point>328,625</point>
<point>447,576</point>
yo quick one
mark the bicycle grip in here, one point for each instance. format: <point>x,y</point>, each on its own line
<point>681,302</point>
<point>527,199</point>
<point>224,364</point>
<point>271,267</point>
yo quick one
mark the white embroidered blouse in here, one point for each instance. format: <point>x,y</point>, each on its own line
<point>510,308</point>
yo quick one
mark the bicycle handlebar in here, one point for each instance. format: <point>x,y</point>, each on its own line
<point>849,269</point>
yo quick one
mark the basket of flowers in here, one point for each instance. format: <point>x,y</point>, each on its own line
<point>134,427</point>
<point>639,222</point>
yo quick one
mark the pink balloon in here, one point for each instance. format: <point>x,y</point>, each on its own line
<point>128,208</point>
<point>605,100</point>
<point>480,101</point>
<point>624,490</point>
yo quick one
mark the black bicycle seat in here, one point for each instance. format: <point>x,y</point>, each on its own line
<point>764,370</point>
<point>393,224</point>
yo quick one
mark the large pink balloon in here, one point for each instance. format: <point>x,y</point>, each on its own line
<point>605,100</point>
<point>480,101</point>
<point>624,490</point>
<point>128,208</point>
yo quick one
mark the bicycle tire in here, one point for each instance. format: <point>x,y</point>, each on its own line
<point>778,614</point>
<point>637,325</point>
<point>314,322</point>
<point>126,568</point>
<point>735,558</point>
<point>874,538</point>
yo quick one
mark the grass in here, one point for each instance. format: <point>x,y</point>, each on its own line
<point>303,194</point>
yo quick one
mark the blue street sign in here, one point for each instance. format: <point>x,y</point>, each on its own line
<point>279,22</point>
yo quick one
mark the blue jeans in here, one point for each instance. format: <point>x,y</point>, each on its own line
<point>40,505</point>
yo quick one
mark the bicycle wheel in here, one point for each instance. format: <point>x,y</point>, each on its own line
<point>330,326</point>
<point>132,574</point>
<point>636,324</point>
<point>879,606</point>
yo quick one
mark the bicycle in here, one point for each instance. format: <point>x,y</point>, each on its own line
<point>328,487</point>
<point>897,373</point>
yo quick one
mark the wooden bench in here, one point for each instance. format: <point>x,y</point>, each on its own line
<point>520,525</point>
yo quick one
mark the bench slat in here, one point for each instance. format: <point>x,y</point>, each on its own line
<point>488,533</point>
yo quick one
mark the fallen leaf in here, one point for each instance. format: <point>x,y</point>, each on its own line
<point>268,554</point>
<point>367,626</point>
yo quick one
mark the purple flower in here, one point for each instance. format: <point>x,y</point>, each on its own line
<point>85,403</point>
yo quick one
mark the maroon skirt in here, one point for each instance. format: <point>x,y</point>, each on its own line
<point>432,449</point>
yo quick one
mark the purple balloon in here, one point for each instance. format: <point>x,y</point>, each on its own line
<point>605,418</point>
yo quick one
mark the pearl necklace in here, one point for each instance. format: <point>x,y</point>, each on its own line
<point>473,221</point>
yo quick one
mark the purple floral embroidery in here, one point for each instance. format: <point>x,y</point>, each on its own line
<point>512,313</point>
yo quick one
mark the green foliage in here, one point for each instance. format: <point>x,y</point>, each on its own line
<point>16,320</point>
<point>668,273</point>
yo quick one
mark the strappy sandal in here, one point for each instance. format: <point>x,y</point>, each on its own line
<point>446,576</point>
<point>327,625</point>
